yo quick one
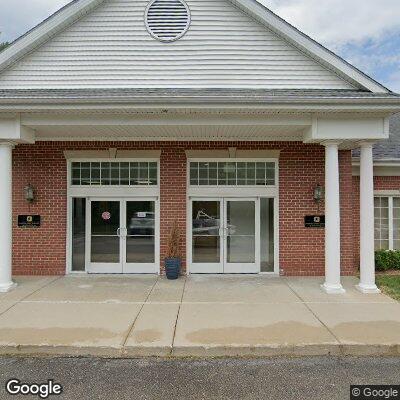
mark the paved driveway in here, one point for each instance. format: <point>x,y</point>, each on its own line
<point>196,316</point>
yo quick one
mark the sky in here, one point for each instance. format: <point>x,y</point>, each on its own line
<point>364,32</point>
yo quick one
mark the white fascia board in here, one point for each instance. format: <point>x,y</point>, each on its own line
<point>46,30</point>
<point>386,109</point>
<point>381,168</point>
<point>166,120</point>
<point>344,128</point>
<point>12,130</point>
<point>111,154</point>
<point>226,154</point>
<point>385,162</point>
<point>308,45</point>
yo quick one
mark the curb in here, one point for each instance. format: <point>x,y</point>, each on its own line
<point>204,351</point>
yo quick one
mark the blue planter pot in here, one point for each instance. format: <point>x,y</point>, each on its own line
<point>172,267</point>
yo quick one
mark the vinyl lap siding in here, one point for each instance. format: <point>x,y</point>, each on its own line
<point>223,48</point>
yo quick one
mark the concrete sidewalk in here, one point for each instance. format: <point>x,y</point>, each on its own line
<point>195,316</point>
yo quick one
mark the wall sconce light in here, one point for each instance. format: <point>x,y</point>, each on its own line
<point>29,192</point>
<point>318,193</point>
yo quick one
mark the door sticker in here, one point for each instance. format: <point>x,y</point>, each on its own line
<point>106,216</point>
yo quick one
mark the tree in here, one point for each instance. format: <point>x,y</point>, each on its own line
<point>3,45</point>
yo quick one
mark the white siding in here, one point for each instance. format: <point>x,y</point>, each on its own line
<point>223,48</point>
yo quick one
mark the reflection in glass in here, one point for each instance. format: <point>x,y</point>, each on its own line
<point>267,234</point>
<point>205,231</point>
<point>140,240</point>
<point>240,231</point>
<point>78,234</point>
<point>105,243</point>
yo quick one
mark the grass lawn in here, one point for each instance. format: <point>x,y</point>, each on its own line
<point>390,285</point>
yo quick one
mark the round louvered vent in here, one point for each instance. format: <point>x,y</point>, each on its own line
<point>167,20</point>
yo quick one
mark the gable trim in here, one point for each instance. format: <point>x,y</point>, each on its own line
<point>78,8</point>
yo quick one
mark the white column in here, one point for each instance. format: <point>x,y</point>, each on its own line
<point>367,256</point>
<point>332,283</point>
<point>6,282</point>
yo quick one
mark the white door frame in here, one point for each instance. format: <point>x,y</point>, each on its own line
<point>206,268</point>
<point>243,268</point>
<point>144,268</point>
<point>101,268</point>
<point>123,267</point>
<point>223,266</point>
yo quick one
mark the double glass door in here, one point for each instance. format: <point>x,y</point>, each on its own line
<point>225,236</point>
<point>121,236</point>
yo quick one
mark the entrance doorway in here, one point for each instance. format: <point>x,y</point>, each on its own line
<point>226,234</point>
<point>121,236</point>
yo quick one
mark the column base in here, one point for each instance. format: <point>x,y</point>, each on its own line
<point>367,289</point>
<point>333,289</point>
<point>6,287</point>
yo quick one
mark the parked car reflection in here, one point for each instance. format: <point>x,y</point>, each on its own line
<point>142,223</point>
<point>205,224</point>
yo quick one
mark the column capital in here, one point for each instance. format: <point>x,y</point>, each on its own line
<point>333,143</point>
<point>366,144</point>
<point>7,144</point>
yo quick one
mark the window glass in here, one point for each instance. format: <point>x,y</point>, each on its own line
<point>382,225</point>
<point>396,223</point>
<point>232,173</point>
<point>114,173</point>
<point>78,233</point>
<point>267,234</point>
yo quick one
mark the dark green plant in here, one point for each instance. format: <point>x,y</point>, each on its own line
<point>387,259</point>
<point>3,46</point>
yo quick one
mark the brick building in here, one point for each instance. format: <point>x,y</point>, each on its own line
<point>120,118</point>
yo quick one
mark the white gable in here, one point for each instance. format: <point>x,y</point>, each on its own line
<point>224,48</point>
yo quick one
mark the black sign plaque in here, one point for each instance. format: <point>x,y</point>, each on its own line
<point>314,221</point>
<point>28,221</point>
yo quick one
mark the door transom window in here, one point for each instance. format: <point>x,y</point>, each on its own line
<point>232,173</point>
<point>114,173</point>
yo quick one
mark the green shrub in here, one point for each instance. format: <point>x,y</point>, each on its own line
<point>387,259</point>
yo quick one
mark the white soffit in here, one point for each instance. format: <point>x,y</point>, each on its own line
<point>78,8</point>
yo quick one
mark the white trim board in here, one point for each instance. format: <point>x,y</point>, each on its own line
<point>78,8</point>
<point>381,168</point>
<point>232,154</point>
<point>112,154</point>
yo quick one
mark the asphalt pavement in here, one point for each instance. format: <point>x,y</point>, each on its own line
<point>280,378</point>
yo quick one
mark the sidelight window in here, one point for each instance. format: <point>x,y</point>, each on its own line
<point>387,223</point>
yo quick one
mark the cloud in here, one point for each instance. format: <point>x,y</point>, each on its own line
<point>339,22</point>
<point>364,32</point>
<point>18,16</point>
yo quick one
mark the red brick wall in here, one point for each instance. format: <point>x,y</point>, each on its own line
<point>42,251</point>
<point>380,183</point>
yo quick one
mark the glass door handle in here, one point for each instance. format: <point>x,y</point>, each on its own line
<point>224,232</point>
<point>119,232</point>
